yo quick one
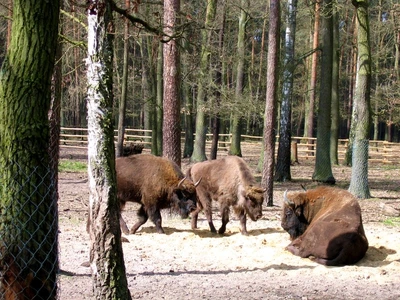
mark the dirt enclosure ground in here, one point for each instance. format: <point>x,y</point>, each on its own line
<point>186,264</point>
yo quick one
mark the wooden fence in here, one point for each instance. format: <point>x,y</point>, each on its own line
<point>302,148</point>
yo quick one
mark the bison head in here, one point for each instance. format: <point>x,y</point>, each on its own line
<point>184,197</point>
<point>254,197</point>
<point>292,218</point>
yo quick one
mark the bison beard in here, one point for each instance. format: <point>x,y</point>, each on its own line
<point>156,183</point>
<point>326,224</point>
<point>229,182</point>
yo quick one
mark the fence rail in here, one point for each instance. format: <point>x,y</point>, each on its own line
<point>303,148</point>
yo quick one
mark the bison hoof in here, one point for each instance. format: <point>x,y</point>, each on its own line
<point>221,231</point>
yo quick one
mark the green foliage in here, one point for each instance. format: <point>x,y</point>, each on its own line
<point>72,166</point>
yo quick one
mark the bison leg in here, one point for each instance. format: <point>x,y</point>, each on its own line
<point>143,217</point>
<point>195,215</point>
<point>225,219</point>
<point>156,218</point>
<point>208,213</point>
<point>242,219</point>
<point>122,224</point>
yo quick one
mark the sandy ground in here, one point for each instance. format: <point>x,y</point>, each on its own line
<point>186,264</point>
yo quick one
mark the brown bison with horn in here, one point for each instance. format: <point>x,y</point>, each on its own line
<point>325,223</point>
<point>156,183</point>
<point>228,181</point>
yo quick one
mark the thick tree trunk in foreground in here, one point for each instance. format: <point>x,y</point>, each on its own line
<point>28,194</point>
<point>106,257</point>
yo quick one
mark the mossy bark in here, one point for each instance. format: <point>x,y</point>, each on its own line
<point>106,256</point>
<point>28,195</point>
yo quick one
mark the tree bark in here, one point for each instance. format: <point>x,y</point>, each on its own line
<point>124,92</point>
<point>106,255</point>
<point>235,148</point>
<point>199,150</point>
<point>271,100</point>
<point>309,116</point>
<point>28,194</point>
<point>159,101</point>
<point>335,92</point>
<point>171,101</point>
<point>282,172</point>
<point>361,116</point>
<point>323,168</point>
<point>216,121</point>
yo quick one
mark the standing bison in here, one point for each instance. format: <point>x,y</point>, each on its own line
<point>325,223</point>
<point>229,182</point>
<point>155,183</point>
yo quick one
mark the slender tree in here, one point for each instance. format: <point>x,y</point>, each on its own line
<point>171,101</point>
<point>124,91</point>
<point>199,150</point>
<point>309,114</point>
<point>271,101</point>
<point>335,91</point>
<point>28,196</point>
<point>282,172</point>
<point>216,121</point>
<point>106,255</point>
<point>361,116</point>
<point>323,167</point>
<point>235,148</point>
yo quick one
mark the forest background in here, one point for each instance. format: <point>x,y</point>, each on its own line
<point>144,55</point>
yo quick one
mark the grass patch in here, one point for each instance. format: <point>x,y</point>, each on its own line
<point>71,166</point>
<point>394,222</point>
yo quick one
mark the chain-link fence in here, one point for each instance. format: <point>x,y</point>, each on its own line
<point>28,229</point>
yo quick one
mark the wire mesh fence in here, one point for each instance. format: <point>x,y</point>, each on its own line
<point>28,229</point>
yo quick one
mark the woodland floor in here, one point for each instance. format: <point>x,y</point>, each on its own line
<point>186,264</point>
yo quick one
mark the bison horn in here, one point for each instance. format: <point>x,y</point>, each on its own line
<point>198,181</point>
<point>286,199</point>
<point>180,182</point>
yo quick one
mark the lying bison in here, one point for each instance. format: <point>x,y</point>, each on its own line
<point>155,183</point>
<point>325,223</point>
<point>229,181</point>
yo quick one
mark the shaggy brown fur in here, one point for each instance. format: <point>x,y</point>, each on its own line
<point>229,181</point>
<point>325,223</point>
<point>156,183</point>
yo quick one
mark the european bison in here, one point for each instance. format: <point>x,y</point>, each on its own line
<point>229,181</point>
<point>155,183</point>
<point>325,223</point>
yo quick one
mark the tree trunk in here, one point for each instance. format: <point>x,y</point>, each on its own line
<point>106,257</point>
<point>216,122</point>
<point>309,116</point>
<point>271,100</point>
<point>171,101</point>
<point>199,150</point>
<point>323,168</point>
<point>282,172</point>
<point>124,92</point>
<point>335,92</point>
<point>159,109</point>
<point>236,119</point>
<point>28,194</point>
<point>361,109</point>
